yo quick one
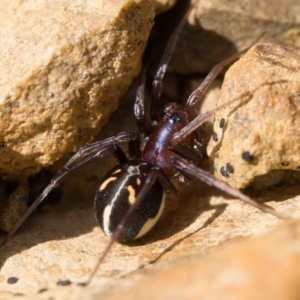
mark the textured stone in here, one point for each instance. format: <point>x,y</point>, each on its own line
<point>61,241</point>
<point>265,124</point>
<point>64,66</point>
<point>14,207</point>
<point>163,5</point>
<point>222,27</point>
<point>292,36</point>
<point>247,270</point>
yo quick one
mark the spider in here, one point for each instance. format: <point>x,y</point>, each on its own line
<point>130,199</point>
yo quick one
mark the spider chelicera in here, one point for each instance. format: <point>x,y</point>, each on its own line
<point>130,199</point>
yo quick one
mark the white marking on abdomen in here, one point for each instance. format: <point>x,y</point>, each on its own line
<point>106,222</point>
<point>151,222</point>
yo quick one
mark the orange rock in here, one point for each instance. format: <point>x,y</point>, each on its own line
<point>262,130</point>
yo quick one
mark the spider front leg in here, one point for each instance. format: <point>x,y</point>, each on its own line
<point>209,179</point>
<point>130,137</point>
<point>185,166</point>
<point>197,95</point>
<point>139,105</point>
<point>85,156</point>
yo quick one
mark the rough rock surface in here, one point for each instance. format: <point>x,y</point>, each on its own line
<point>229,275</point>
<point>222,27</point>
<point>261,134</point>
<point>61,241</point>
<point>292,36</point>
<point>13,207</point>
<point>163,5</point>
<point>64,66</point>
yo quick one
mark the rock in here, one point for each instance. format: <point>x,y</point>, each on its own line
<point>64,243</point>
<point>64,67</point>
<point>221,28</point>
<point>292,36</point>
<point>261,131</point>
<point>163,5</point>
<point>14,207</point>
<point>61,243</point>
<point>239,271</point>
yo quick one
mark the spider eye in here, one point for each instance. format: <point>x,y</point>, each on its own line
<point>173,117</point>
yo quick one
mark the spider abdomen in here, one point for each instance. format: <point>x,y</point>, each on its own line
<point>117,193</point>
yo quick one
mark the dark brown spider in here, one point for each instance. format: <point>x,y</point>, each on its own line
<point>130,199</point>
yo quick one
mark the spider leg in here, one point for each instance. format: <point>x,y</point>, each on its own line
<point>86,155</point>
<point>139,105</point>
<point>123,137</point>
<point>151,177</point>
<point>119,155</point>
<point>198,121</point>
<point>209,179</point>
<point>166,183</point>
<point>187,152</point>
<point>198,93</point>
<point>157,83</point>
<point>134,147</point>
